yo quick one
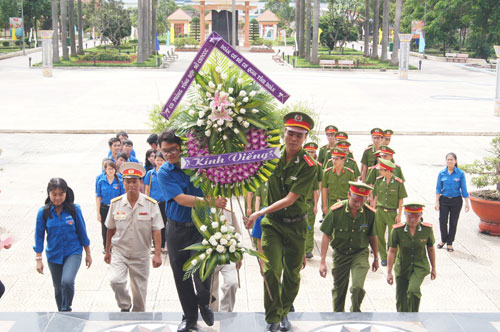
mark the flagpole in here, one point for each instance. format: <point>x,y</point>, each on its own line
<point>22,16</point>
<point>425,23</point>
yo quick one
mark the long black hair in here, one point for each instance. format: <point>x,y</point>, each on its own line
<point>454,157</point>
<point>147,163</point>
<point>68,204</point>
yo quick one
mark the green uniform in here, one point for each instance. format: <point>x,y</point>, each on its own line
<point>373,174</point>
<point>325,153</point>
<point>284,233</point>
<point>350,240</point>
<point>337,184</point>
<point>412,265</point>
<point>368,157</point>
<point>388,196</point>
<point>311,217</point>
<point>349,163</point>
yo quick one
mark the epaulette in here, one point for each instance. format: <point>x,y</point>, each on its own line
<point>350,170</point>
<point>329,168</point>
<point>336,206</point>
<point>116,199</point>
<point>370,208</point>
<point>398,225</point>
<point>426,224</point>
<point>324,146</point>
<point>352,159</point>
<point>398,179</point>
<point>151,199</point>
<point>368,148</point>
<point>309,160</point>
<point>380,177</point>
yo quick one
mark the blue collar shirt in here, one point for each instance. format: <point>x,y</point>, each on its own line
<point>452,185</point>
<point>108,191</point>
<point>154,189</point>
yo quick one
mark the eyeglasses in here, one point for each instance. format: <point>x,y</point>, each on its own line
<point>171,151</point>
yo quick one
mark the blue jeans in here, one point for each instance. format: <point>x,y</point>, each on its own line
<point>63,279</point>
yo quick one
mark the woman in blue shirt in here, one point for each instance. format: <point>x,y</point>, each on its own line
<point>153,190</point>
<point>108,187</point>
<point>66,235</point>
<point>450,188</point>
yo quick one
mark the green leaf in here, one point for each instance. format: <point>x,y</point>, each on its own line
<point>257,254</point>
<point>257,123</point>
<point>210,266</point>
<point>197,246</point>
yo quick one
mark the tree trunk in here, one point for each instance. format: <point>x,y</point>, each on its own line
<point>80,28</point>
<point>140,31</point>
<point>64,29</point>
<point>301,27</point>
<point>71,14</point>
<point>397,21</point>
<point>367,28</point>
<point>55,36</point>
<point>308,31</point>
<point>315,37</point>
<point>376,19</point>
<point>148,36</point>
<point>153,23</point>
<point>385,31</point>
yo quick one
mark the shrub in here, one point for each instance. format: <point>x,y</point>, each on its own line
<point>17,42</point>
<point>268,43</point>
<point>105,56</point>
<point>5,43</point>
<point>257,42</point>
<point>183,42</point>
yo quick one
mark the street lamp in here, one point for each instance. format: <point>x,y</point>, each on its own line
<point>404,55</point>
<point>497,89</point>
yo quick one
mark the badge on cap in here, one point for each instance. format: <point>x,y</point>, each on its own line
<point>298,117</point>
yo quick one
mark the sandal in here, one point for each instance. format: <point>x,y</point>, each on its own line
<point>450,249</point>
<point>440,245</point>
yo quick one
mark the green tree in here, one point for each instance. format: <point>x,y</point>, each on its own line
<point>195,28</point>
<point>165,9</point>
<point>112,20</point>
<point>339,25</point>
<point>254,29</point>
<point>283,10</point>
<point>485,18</point>
<point>8,8</point>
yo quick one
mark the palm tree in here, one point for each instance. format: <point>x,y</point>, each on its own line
<point>301,27</point>
<point>376,19</point>
<point>140,31</point>
<point>367,28</point>
<point>308,31</point>
<point>64,29</point>
<point>385,31</point>
<point>71,14</point>
<point>397,21</point>
<point>55,36</point>
<point>154,10</point>
<point>80,28</point>
<point>314,56</point>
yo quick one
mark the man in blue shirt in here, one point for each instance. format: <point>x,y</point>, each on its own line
<point>180,196</point>
<point>127,148</point>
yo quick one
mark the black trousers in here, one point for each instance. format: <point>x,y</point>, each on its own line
<point>449,211</point>
<point>164,217</point>
<point>104,230</point>
<point>2,289</point>
<point>178,238</point>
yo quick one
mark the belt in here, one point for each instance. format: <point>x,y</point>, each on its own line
<point>451,197</point>
<point>107,205</point>
<point>181,224</point>
<point>293,220</point>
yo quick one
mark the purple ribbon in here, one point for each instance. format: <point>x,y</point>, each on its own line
<point>215,40</point>
<point>231,158</point>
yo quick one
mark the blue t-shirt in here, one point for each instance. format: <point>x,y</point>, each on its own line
<point>62,239</point>
<point>173,182</point>
<point>154,190</point>
<point>132,153</point>
<point>108,191</point>
<point>452,185</point>
<point>257,229</point>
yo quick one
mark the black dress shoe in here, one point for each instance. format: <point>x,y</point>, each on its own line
<point>186,325</point>
<point>126,310</point>
<point>285,324</point>
<point>207,314</point>
<point>272,327</point>
<point>309,255</point>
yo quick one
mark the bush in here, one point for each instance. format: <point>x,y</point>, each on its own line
<point>257,42</point>
<point>268,43</point>
<point>17,42</point>
<point>183,42</point>
<point>5,43</point>
<point>105,56</point>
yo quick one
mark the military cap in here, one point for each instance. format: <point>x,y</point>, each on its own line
<point>386,150</point>
<point>414,207</point>
<point>331,129</point>
<point>386,164</point>
<point>132,170</point>
<point>311,146</point>
<point>341,135</point>
<point>377,132</point>
<point>343,145</point>
<point>360,188</point>
<point>298,121</point>
<point>388,133</point>
<point>336,152</point>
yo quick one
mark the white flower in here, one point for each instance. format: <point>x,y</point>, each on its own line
<point>209,251</point>
<point>220,249</point>
<point>230,90</point>
<point>246,124</point>
<point>233,241</point>
<point>223,241</point>
<point>191,112</point>
<point>213,210</point>
<point>237,236</point>
<point>202,256</point>
<point>239,245</point>
<point>254,111</point>
<point>219,86</point>
<point>201,114</point>
<point>240,81</point>
<point>208,94</point>
<point>215,224</point>
<point>243,111</point>
<point>230,98</point>
<point>203,228</point>
<point>230,124</point>
<point>228,237</point>
<point>223,218</point>
<point>200,122</point>
<point>252,93</point>
<point>218,69</point>
<point>243,93</point>
<point>236,131</point>
<point>224,137</point>
<point>223,76</point>
<point>209,122</point>
<point>220,122</point>
<point>204,242</point>
<point>231,228</point>
<point>245,100</point>
<point>194,262</point>
<point>232,248</point>
<point>239,118</point>
<point>207,133</point>
<point>215,125</point>
<point>223,228</point>
<point>217,235</point>
<point>211,84</point>
<point>219,129</point>
<point>213,242</point>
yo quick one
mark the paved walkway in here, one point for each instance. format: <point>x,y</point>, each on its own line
<point>442,97</point>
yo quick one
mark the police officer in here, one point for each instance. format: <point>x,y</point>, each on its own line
<point>284,227</point>
<point>368,158</point>
<point>349,161</point>
<point>132,220</point>
<point>386,153</point>
<point>324,154</point>
<point>335,182</point>
<point>388,194</point>
<point>410,244</point>
<point>350,223</point>
<point>312,200</point>
<point>387,136</point>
